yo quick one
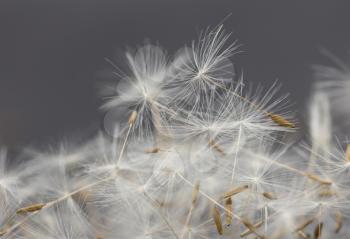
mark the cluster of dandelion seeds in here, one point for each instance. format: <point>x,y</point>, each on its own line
<point>195,153</point>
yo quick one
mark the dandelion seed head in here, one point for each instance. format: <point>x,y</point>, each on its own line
<point>188,151</point>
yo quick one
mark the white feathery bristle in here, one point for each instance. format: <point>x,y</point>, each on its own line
<point>320,123</point>
<point>334,81</point>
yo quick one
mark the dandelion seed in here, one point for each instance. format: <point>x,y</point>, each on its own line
<point>217,147</point>
<point>152,150</point>
<point>327,193</point>
<point>235,191</point>
<point>281,121</point>
<point>305,224</point>
<point>347,153</point>
<point>198,69</point>
<point>3,232</point>
<point>303,235</point>
<point>142,89</point>
<point>248,231</point>
<point>217,220</point>
<point>269,195</point>
<point>338,221</point>
<point>132,118</point>
<point>195,192</point>
<point>31,208</point>
<point>318,230</point>
<point>228,212</point>
<point>318,179</point>
<point>251,227</point>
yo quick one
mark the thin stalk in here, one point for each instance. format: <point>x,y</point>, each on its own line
<point>189,215</point>
<point>236,153</point>
<point>162,216</point>
<point>131,122</point>
<point>308,175</point>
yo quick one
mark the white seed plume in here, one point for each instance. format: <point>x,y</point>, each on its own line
<point>320,123</point>
<point>335,82</point>
<point>203,67</point>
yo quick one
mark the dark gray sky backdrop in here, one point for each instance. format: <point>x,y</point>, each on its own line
<point>51,51</point>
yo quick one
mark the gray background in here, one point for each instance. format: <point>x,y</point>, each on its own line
<point>51,52</point>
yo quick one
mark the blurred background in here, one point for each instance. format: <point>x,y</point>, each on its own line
<point>52,52</point>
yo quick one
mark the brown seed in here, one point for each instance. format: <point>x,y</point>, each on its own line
<point>195,193</point>
<point>152,150</point>
<point>252,228</point>
<point>304,225</point>
<point>338,221</point>
<point>318,230</point>
<point>347,153</point>
<point>228,212</point>
<point>269,195</point>
<point>216,147</point>
<point>217,220</point>
<point>235,191</point>
<point>3,232</point>
<point>327,193</point>
<point>31,208</point>
<point>132,118</point>
<point>248,231</point>
<point>281,121</point>
<point>318,179</point>
<point>303,235</point>
<point>249,225</point>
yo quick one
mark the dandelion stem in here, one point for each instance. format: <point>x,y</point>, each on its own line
<point>266,217</point>
<point>131,122</point>
<point>189,215</point>
<point>162,216</point>
<point>236,152</point>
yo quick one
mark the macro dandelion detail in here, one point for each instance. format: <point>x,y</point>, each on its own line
<point>196,152</point>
